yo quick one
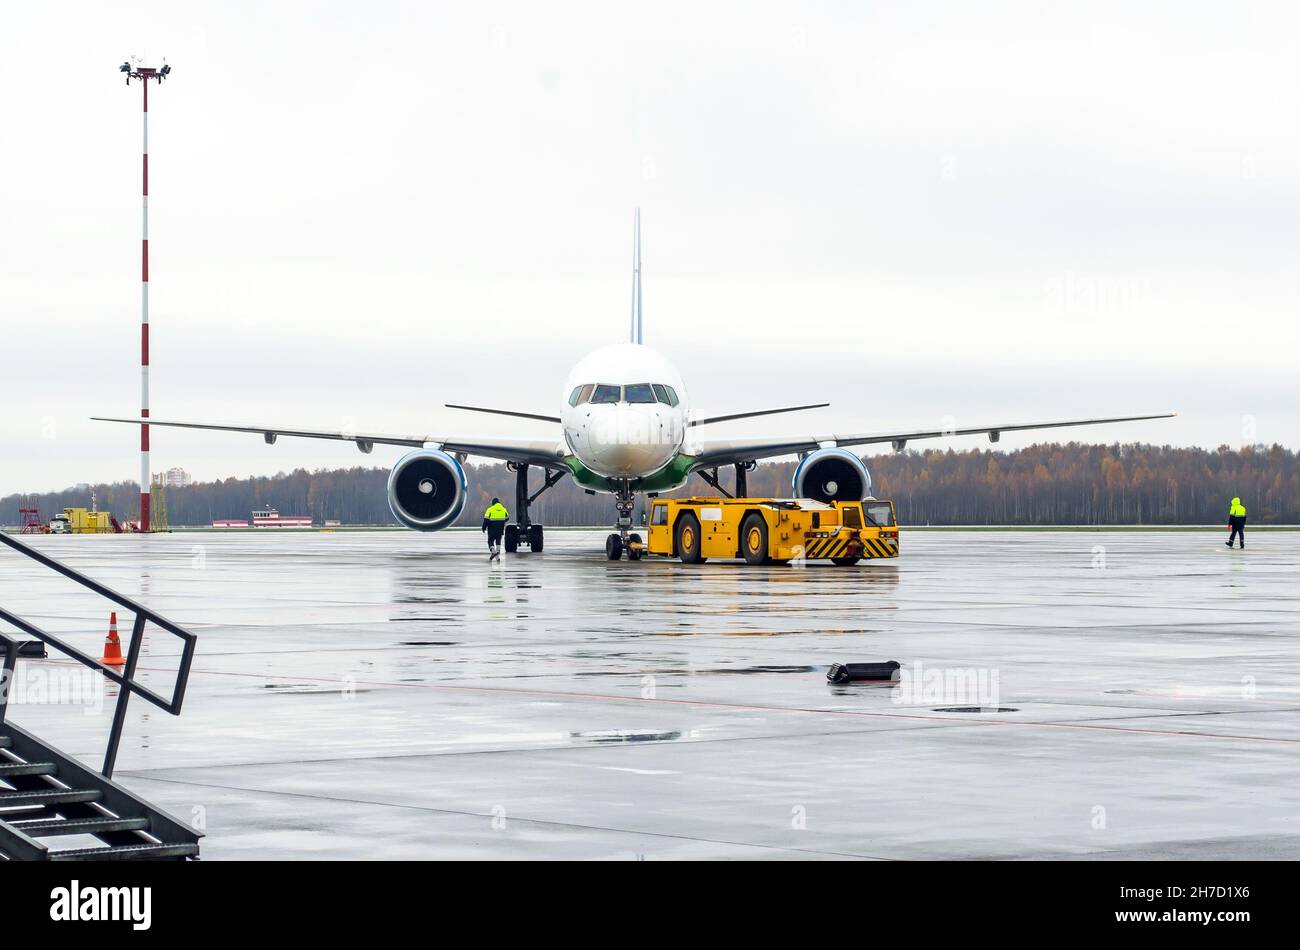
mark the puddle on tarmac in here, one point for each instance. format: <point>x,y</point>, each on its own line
<point>625,735</point>
<point>697,671</point>
<point>294,689</point>
<point>696,631</point>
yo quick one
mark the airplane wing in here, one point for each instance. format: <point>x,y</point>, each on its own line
<point>506,412</point>
<point>753,413</point>
<point>545,452</point>
<point>711,452</point>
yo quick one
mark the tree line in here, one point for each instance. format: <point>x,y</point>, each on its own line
<point>1047,484</point>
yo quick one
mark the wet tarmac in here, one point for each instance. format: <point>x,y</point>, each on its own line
<point>393,695</point>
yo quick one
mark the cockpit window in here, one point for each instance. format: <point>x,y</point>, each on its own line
<point>585,395</point>
<point>665,394</point>
<point>638,392</point>
<point>606,394</point>
<point>575,396</point>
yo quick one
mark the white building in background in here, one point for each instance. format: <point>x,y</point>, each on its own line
<point>173,478</point>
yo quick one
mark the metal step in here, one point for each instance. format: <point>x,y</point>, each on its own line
<point>28,768</point>
<point>130,852</point>
<point>46,827</point>
<point>53,797</point>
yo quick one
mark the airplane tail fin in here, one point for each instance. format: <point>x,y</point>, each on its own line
<point>636,278</point>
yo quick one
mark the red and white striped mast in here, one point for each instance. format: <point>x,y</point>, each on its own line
<point>144,74</point>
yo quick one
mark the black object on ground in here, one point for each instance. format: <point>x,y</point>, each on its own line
<point>853,672</point>
<point>33,649</point>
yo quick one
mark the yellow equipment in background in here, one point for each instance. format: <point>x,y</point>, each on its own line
<point>85,521</point>
<point>158,506</point>
<point>772,530</point>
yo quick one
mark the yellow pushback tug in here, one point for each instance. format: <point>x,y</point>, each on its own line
<point>772,530</point>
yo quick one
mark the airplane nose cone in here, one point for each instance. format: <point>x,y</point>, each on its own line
<point>633,461</point>
<point>631,443</point>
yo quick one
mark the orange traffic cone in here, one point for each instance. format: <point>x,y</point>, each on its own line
<point>112,646</point>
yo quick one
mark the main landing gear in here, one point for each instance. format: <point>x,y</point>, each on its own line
<point>523,531</point>
<point>623,540</point>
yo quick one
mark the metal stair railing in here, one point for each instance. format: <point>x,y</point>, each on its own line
<point>7,672</point>
<point>126,680</point>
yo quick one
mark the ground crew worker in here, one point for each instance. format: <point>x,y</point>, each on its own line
<point>1237,522</point>
<point>494,523</point>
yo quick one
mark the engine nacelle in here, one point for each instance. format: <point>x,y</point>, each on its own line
<point>832,475</point>
<point>426,490</point>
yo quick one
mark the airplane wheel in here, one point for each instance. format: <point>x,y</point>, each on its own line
<point>512,538</point>
<point>634,548</point>
<point>613,547</point>
<point>689,541</point>
<point>845,561</point>
<point>535,539</point>
<point>753,538</point>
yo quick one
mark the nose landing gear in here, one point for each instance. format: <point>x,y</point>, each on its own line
<point>624,540</point>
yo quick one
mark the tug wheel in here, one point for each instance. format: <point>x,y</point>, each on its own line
<point>689,542</point>
<point>753,538</point>
<point>845,561</point>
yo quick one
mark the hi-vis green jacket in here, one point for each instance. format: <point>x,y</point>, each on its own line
<point>1237,510</point>
<point>495,512</point>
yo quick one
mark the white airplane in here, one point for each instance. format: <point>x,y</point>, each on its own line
<point>626,428</point>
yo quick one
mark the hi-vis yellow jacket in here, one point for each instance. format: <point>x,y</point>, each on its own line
<point>1237,510</point>
<point>496,512</point>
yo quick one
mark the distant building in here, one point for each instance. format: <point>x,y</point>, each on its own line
<point>270,518</point>
<point>173,478</point>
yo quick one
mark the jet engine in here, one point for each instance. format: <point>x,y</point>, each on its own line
<point>832,475</point>
<point>426,490</point>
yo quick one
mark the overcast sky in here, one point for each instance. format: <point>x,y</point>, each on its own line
<point>998,211</point>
